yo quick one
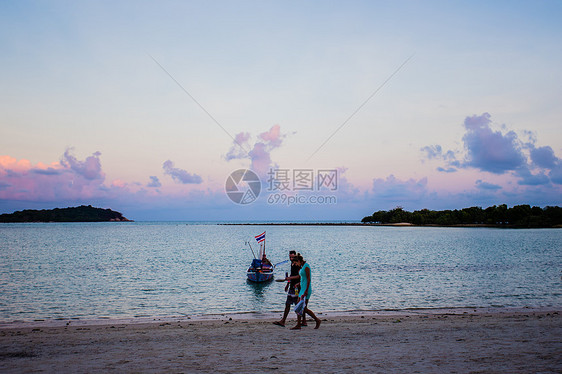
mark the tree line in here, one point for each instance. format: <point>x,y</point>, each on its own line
<point>77,214</point>
<point>500,215</point>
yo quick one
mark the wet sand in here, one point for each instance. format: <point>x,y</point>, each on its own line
<point>425,341</point>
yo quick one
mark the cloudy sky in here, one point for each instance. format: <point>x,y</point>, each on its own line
<point>147,107</point>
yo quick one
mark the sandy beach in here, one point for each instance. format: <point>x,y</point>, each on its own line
<point>425,341</point>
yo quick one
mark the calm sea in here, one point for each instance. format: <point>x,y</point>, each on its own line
<point>149,269</point>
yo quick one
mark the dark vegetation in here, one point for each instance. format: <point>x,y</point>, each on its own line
<point>78,214</point>
<point>498,216</point>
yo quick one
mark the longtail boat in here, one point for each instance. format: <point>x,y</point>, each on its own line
<point>261,269</point>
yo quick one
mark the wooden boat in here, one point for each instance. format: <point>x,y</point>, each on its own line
<point>261,269</point>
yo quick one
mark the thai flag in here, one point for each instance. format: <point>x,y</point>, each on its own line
<point>260,238</point>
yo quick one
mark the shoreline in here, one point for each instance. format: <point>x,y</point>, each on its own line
<point>399,224</point>
<point>479,341</point>
<point>269,316</point>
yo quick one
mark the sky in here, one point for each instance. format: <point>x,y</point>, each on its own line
<point>339,109</point>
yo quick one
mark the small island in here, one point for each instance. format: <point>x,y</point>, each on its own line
<point>81,213</point>
<point>519,216</point>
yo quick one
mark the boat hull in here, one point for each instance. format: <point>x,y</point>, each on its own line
<point>258,276</point>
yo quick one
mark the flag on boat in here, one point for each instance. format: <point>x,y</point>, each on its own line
<point>261,237</point>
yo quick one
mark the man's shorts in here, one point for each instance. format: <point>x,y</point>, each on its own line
<point>292,300</point>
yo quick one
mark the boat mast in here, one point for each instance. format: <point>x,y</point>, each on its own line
<point>251,249</point>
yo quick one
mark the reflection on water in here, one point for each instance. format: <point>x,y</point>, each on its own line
<point>259,288</point>
<point>90,270</point>
<point>260,295</point>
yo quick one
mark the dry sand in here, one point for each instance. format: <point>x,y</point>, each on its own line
<point>475,341</point>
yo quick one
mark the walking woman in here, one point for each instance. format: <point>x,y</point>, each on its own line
<point>305,291</point>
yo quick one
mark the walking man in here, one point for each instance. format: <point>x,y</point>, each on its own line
<point>291,289</point>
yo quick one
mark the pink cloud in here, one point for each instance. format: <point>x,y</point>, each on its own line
<point>261,159</point>
<point>89,168</point>
<point>154,182</point>
<point>260,152</point>
<point>180,175</point>
<point>238,149</point>
<point>68,179</point>
<point>8,163</point>
<point>273,137</point>
<point>490,150</point>
<point>71,181</point>
<point>119,183</point>
<point>500,152</point>
<point>393,191</point>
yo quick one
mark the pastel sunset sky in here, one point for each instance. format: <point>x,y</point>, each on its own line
<point>146,107</point>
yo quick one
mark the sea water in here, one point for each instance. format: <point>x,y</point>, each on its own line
<point>147,269</point>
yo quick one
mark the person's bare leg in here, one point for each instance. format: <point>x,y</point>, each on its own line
<point>304,317</point>
<point>285,314</point>
<point>310,313</point>
<point>298,326</point>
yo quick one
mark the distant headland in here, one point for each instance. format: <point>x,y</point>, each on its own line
<point>519,216</point>
<point>81,213</point>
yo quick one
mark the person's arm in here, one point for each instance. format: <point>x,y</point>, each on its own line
<point>307,271</point>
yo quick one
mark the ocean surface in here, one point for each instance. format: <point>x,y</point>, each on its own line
<point>54,271</point>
